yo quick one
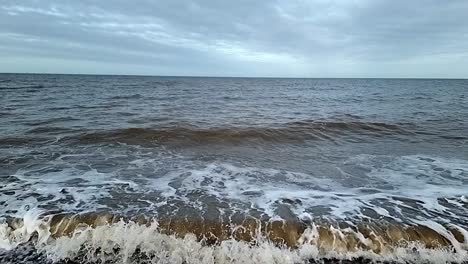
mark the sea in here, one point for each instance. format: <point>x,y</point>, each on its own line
<point>142,169</point>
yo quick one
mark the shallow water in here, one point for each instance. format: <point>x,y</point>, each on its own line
<point>232,170</point>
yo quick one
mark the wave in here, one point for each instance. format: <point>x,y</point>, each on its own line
<point>5,114</point>
<point>296,132</point>
<point>133,96</point>
<point>52,121</point>
<point>50,129</point>
<point>22,141</point>
<point>99,237</point>
<point>19,87</point>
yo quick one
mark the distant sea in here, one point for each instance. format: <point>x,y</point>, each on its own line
<point>133,169</point>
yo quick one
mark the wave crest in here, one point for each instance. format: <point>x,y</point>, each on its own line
<point>296,132</point>
<point>100,237</point>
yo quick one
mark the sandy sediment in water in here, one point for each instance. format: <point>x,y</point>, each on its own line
<point>344,236</point>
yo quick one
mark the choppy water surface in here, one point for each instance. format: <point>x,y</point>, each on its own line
<point>121,169</point>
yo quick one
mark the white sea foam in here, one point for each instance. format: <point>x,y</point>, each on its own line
<point>56,190</point>
<point>101,244</point>
<point>396,185</point>
<point>403,188</point>
<point>10,237</point>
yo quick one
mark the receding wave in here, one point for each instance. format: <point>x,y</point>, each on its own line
<point>101,237</point>
<point>292,132</point>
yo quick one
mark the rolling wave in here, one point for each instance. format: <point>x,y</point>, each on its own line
<point>295,132</point>
<point>100,237</point>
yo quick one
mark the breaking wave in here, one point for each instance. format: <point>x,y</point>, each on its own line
<point>108,238</point>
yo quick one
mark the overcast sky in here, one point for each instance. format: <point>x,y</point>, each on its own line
<point>287,38</point>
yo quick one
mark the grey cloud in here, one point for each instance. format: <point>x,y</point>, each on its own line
<point>317,38</point>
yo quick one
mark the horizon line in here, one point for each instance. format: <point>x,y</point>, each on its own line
<point>240,77</point>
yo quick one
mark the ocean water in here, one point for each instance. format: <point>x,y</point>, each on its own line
<point>127,169</point>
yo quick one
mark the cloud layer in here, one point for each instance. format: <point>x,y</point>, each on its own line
<point>315,38</point>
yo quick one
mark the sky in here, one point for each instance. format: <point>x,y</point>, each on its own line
<point>268,38</point>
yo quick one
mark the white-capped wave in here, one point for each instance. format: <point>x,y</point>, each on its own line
<point>129,242</point>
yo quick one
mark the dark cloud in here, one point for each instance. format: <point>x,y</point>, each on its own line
<point>316,38</point>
